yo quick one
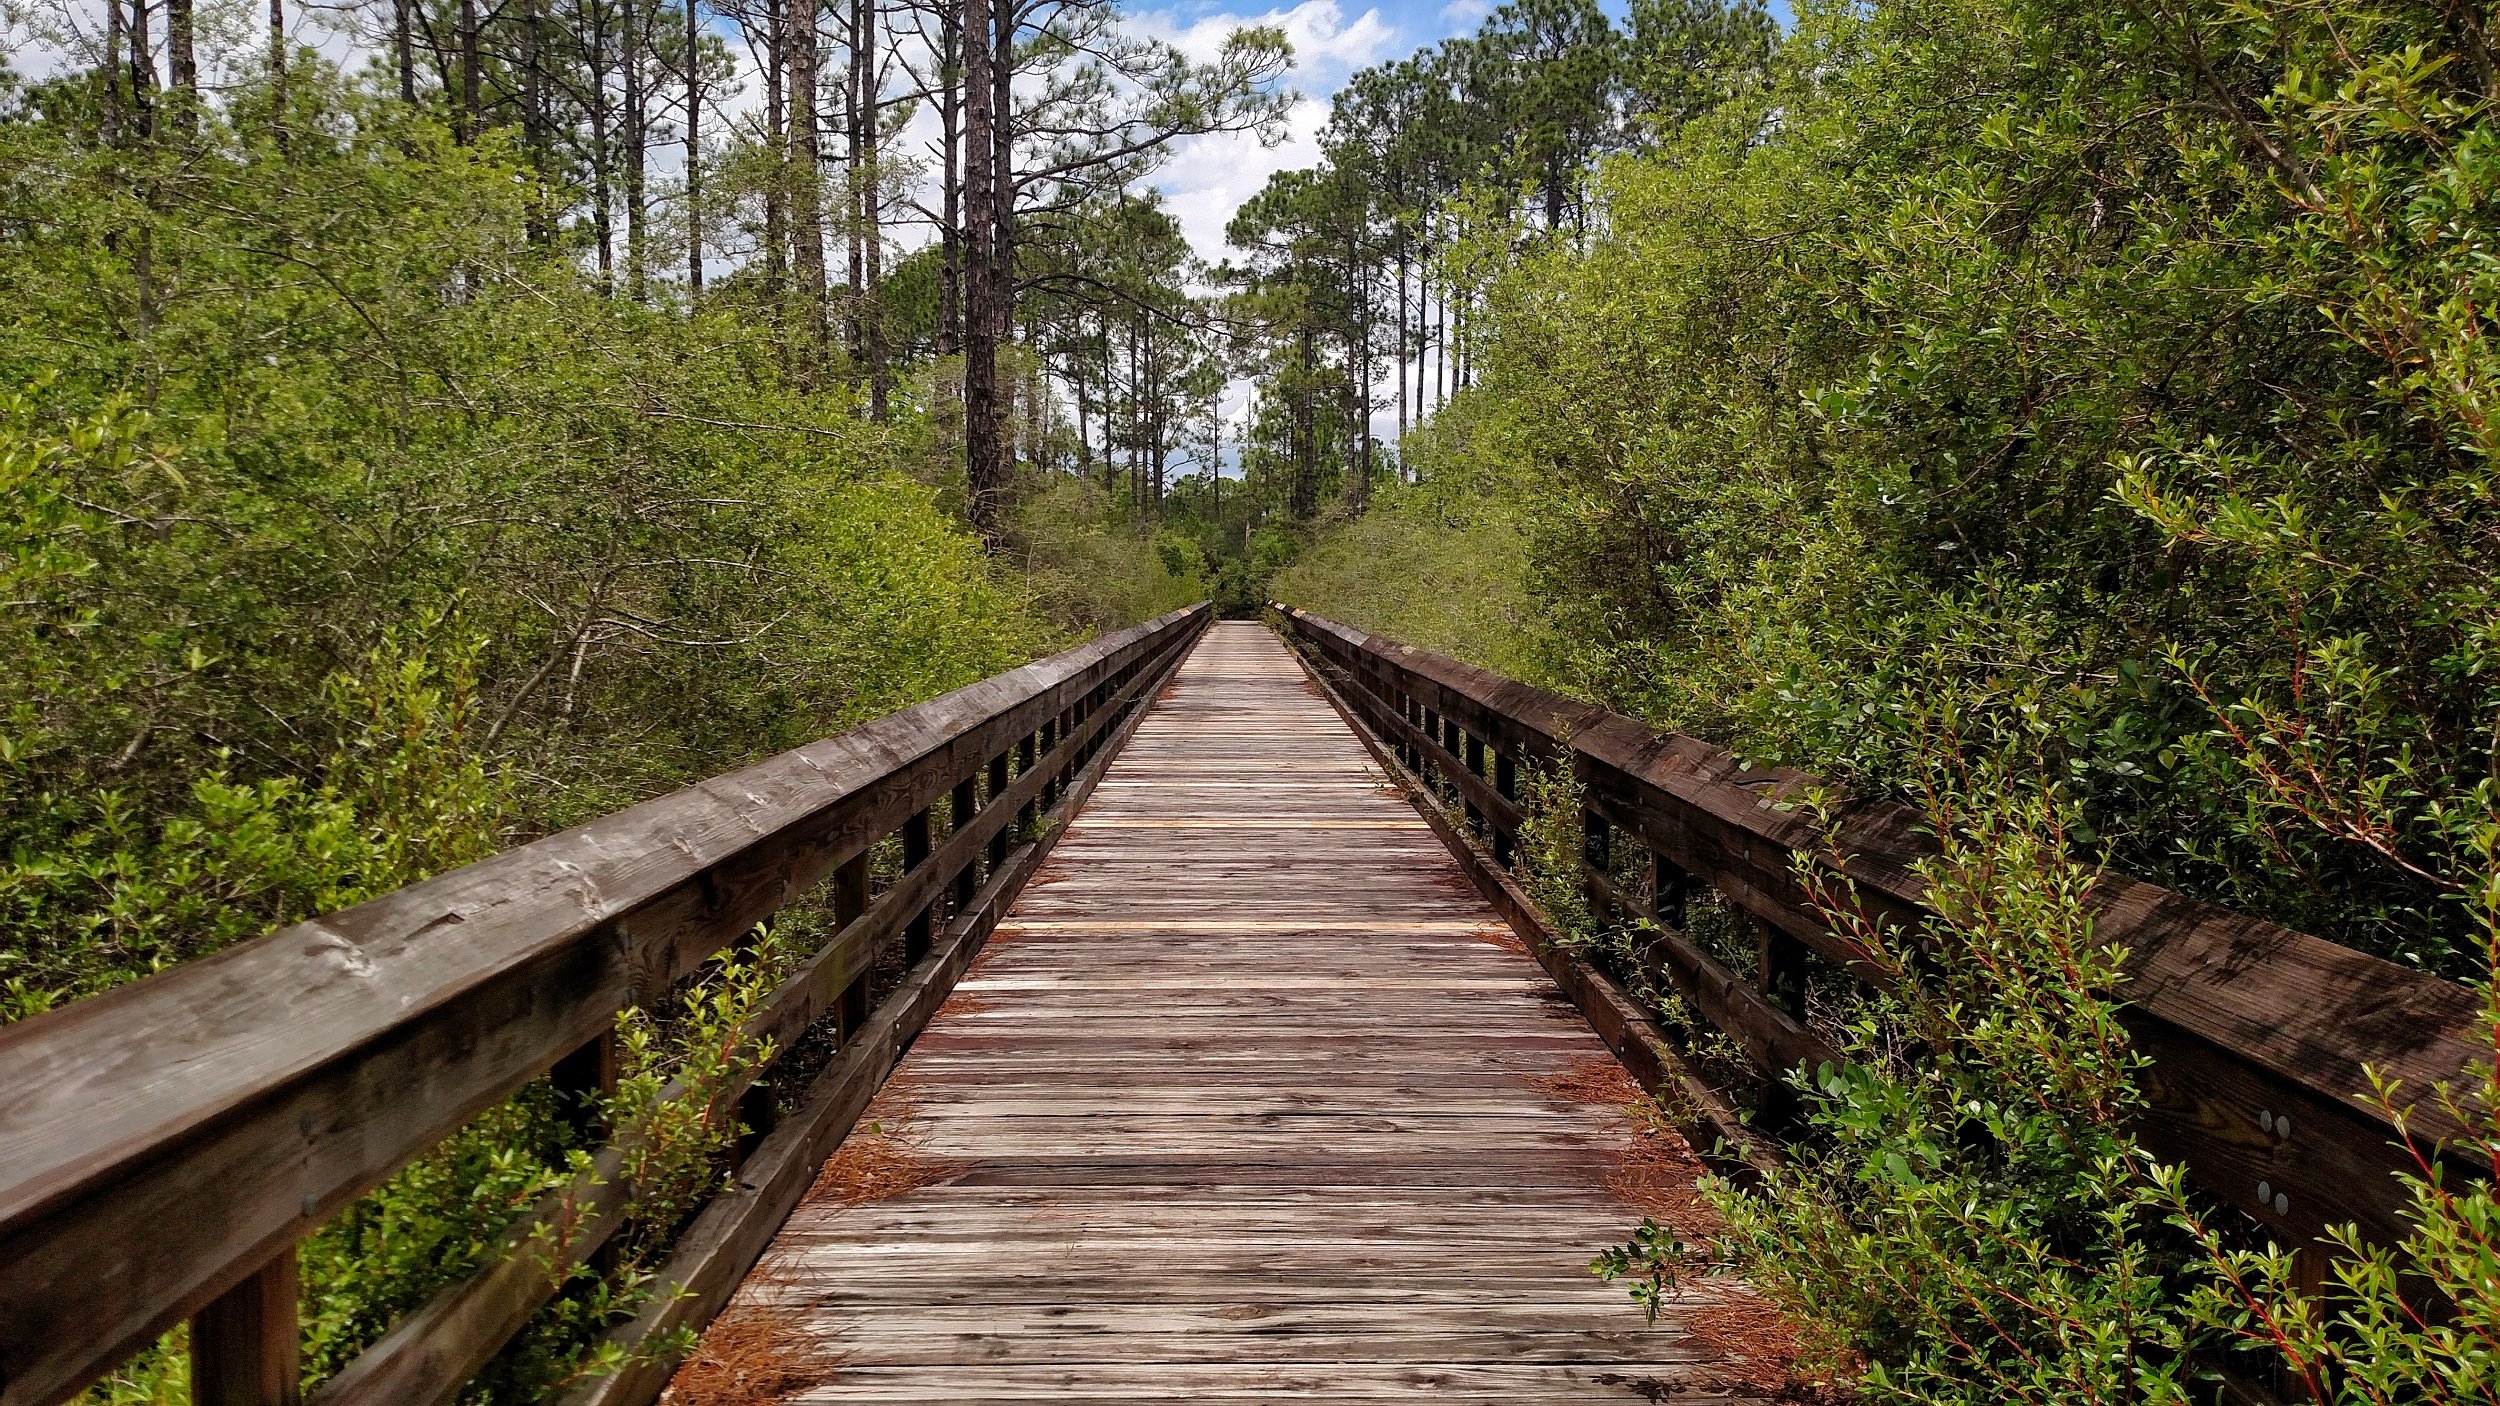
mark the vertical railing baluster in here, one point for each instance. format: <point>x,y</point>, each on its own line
<point>998,792</point>
<point>246,1347</point>
<point>1029,812</point>
<point>850,900</point>
<point>1472,757</point>
<point>960,808</point>
<point>1597,847</point>
<point>1505,781</point>
<point>915,854</point>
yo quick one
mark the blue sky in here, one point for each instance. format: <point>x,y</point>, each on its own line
<point>1209,178</point>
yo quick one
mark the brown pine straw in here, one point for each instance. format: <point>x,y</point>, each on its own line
<point>752,1355</point>
<point>1656,1173</point>
<point>758,1353</point>
<point>881,1158</point>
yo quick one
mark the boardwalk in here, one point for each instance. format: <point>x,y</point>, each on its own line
<point>1247,1101</point>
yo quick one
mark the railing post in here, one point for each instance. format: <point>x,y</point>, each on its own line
<point>960,808</point>
<point>245,1346</point>
<point>1472,757</point>
<point>915,854</point>
<point>998,792</point>
<point>1506,781</point>
<point>850,900</point>
<point>583,1080</point>
<point>1597,852</point>
<point>1030,810</point>
<point>1780,968</point>
<point>1669,887</point>
<point>1048,739</point>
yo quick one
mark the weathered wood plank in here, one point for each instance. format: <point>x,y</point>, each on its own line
<point>1251,1097</point>
<point>2242,1016</point>
<point>317,1060</point>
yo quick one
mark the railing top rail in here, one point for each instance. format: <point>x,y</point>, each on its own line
<point>2314,1016</point>
<point>298,1069</point>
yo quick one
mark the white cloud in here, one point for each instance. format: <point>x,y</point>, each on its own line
<point>1465,14</point>
<point>1209,177</point>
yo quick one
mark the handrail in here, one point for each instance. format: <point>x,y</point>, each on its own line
<point>164,1146</point>
<point>2260,1038</point>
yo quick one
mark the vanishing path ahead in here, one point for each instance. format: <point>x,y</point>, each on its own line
<point>1250,1098</point>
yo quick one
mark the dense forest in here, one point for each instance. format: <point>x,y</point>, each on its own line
<point>2071,420</point>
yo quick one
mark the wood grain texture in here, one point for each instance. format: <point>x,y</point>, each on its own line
<point>1240,1104</point>
<point>2241,1017</point>
<point>162,1141</point>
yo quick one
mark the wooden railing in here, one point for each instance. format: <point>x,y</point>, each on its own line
<point>164,1147</point>
<point>2259,1037</point>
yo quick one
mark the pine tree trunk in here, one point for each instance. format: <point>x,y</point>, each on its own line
<point>776,139</point>
<point>950,223</point>
<point>112,72</point>
<point>854,159</point>
<point>807,201</point>
<point>637,153</point>
<point>985,477</point>
<point>182,69</point>
<point>403,49</point>
<point>277,70</point>
<point>871,214</point>
<point>472,105</point>
<point>142,72</point>
<point>602,156</point>
<point>694,149</point>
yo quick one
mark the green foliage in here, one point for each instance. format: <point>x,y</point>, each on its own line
<point>1442,563</point>
<point>2096,398</point>
<point>1093,565</point>
<point>1974,1215</point>
<point>348,533</point>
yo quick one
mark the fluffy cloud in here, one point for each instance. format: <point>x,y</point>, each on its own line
<point>1209,177</point>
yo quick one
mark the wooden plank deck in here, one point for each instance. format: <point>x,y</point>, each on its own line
<point>1242,1104</point>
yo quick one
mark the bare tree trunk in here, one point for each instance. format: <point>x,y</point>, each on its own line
<point>855,119</point>
<point>871,212</point>
<point>637,153</point>
<point>807,202</point>
<point>404,49</point>
<point>950,223</point>
<point>534,115</point>
<point>1305,499</point>
<point>1003,172</point>
<point>694,149</point>
<point>602,158</point>
<point>776,138</point>
<point>277,70</point>
<point>112,72</point>
<point>182,69</point>
<point>142,72</point>
<point>985,478</point>
<point>471,99</point>
<point>1403,344</point>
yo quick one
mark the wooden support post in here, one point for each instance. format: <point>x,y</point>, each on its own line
<point>1048,739</point>
<point>1506,781</point>
<point>759,1112</point>
<point>1669,887</point>
<point>1029,811</point>
<point>960,808</point>
<point>583,1080</point>
<point>916,853</point>
<point>850,900</point>
<point>998,789</point>
<point>1472,754</point>
<point>1597,849</point>
<point>245,1346</point>
<point>1780,968</point>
